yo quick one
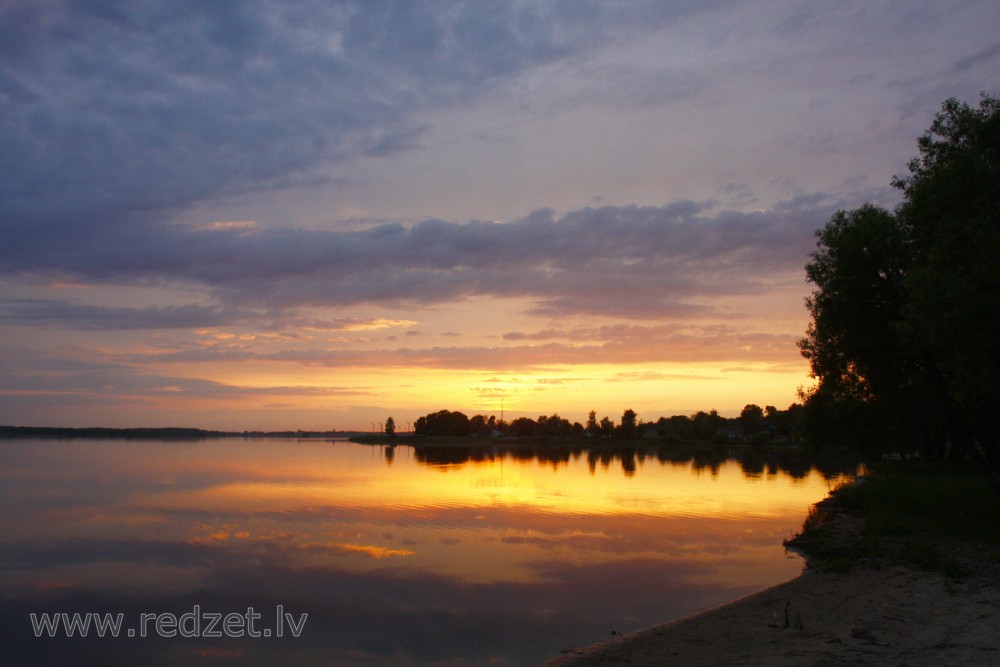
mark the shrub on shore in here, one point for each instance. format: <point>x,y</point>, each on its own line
<point>937,517</point>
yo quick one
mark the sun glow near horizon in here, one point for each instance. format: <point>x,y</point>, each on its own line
<point>533,232</point>
<point>232,379</point>
<point>312,398</point>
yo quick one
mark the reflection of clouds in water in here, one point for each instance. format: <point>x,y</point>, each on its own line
<point>380,614</point>
<point>385,572</point>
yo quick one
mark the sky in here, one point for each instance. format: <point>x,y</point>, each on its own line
<point>315,215</point>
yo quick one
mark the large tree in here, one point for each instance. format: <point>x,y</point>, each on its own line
<point>906,309</point>
<point>629,428</point>
<point>952,212</point>
<point>443,422</point>
<point>751,419</point>
<point>853,342</point>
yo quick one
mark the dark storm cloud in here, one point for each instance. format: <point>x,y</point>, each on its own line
<point>970,61</point>
<point>116,116</point>
<point>29,312</point>
<point>658,343</point>
<point>640,262</point>
<point>34,375</point>
<point>114,112</point>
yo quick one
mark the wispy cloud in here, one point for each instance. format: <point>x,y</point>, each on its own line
<point>297,189</point>
<point>114,111</point>
<point>637,262</point>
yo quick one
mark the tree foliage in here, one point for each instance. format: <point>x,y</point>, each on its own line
<point>443,423</point>
<point>523,427</point>
<point>478,425</point>
<point>854,342</point>
<point>952,209</point>
<point>629,428</point>
<point>907,303</point>
<point>752,419</point>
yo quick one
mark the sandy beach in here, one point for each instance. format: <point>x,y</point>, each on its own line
<point>890,616</point>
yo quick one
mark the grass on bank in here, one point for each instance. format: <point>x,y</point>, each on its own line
<point>936,516</point>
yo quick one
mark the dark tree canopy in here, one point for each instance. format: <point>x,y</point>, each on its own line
<point>443,422</point>
<point>854,342</point>
<point>853,339</point>
<point>478,425</point>
<point>906,311</point>
<point>752,419</point>
<point>952,210</point>
<point>523,426</point>
<point>629,427</point>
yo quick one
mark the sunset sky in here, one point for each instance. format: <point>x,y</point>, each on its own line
<point>315,215</point>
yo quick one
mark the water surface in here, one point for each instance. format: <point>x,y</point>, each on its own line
<point>398,555</point>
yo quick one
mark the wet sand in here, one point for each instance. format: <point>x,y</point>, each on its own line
<point>891,616</point>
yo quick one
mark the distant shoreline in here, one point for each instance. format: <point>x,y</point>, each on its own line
<point>366,438</point>
<point>164,433</point>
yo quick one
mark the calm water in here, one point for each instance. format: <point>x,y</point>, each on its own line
<point>401,556</point>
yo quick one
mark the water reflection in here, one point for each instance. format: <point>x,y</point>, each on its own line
<point>754,461</point>
<point>500,555</point>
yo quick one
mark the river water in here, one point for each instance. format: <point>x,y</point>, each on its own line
<point>330,552</point>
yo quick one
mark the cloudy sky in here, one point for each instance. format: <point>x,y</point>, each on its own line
<point>279,215</point>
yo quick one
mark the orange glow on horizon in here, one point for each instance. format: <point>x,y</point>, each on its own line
<point>572,391</point>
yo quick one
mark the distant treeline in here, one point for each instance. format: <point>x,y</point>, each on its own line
<point>754,423</point>
<point>171,433</point>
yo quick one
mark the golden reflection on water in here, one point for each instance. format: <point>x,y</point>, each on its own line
<point>571,540</point>
<point>569,489</point>
<point>498,519</point>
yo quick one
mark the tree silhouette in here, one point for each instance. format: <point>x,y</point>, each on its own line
<point>628,429</point>
<point>751,419</point>
<point>443,423</point>
<point>907,304</point>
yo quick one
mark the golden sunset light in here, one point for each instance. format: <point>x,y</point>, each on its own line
<point>601,247</point>
<point>418,333</point>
